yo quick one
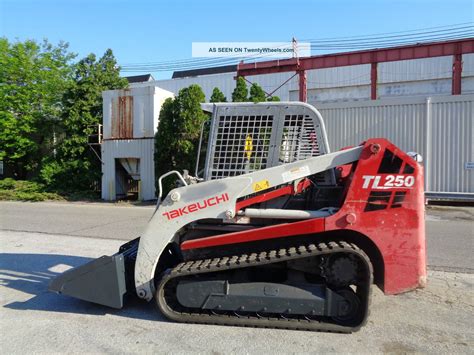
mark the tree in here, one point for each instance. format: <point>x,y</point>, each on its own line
<point>256,93</point>
<point>165,138</point>
<point>33,78</point>
<point>76,167</point>
<point>273,98</point>
<point>218,96</point>
<point>179,129</point>
<point>240,92</point>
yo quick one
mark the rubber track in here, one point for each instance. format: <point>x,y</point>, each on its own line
<point>258,259</point>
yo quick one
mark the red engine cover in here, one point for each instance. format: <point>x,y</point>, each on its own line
<point>385,202</point>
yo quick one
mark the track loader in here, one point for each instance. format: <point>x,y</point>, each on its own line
<point>279,231</point>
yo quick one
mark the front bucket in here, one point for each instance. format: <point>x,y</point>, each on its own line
<point>100,281</point>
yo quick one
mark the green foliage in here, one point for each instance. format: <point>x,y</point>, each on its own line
<point>178,133</point>
<point>240,92</point>
<point>22,190</point>
<point>47,108</point>
<point>33,78</point>
<point>75,167</point>
<point>25,191</point>
<point>218,96</point>
<point>7,184</point>
<point>256,93</point>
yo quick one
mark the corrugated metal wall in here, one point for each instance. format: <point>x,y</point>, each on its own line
<point>417,77</point>
<point>440,128</point>
<point>122,113</point>
<point>452,144</point>
<point>132,113</point>
<point>142,149</point>
<point>401,114</point>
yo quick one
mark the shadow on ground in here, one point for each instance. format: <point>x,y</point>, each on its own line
<point>32,273</point>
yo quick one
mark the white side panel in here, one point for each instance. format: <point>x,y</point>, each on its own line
<point>399,121</point>
<point>141,111</point>
<point>147,102</point>
<point>440,128</point>
<point>354,75</point>
<point>107,99</point>
<point>361,92</point>
<point>467,85</point>
<point>225,82</point>
<point>159,97</point>
<point>452,144</point>
<point>415,88</point>
<point>468,64</point>
<point>138,148</point>
<point>415,69</point>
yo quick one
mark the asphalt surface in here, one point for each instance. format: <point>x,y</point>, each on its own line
<point>437,319</point>
<point>41,240</point>
<point>450,231</point>
<point>98,220</point>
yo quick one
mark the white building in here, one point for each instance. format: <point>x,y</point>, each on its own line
<point>131,118</point>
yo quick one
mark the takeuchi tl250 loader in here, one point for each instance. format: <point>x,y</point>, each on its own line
<point>279,232</point>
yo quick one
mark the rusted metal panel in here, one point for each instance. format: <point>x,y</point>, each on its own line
<point>122,117</point>
<point>132,113</point>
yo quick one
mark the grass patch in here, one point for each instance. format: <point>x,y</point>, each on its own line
<point>22,190</point>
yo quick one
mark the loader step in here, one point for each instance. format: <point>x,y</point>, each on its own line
<point>174,302</point>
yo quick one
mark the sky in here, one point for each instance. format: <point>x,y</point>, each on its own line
<point>161,30</point>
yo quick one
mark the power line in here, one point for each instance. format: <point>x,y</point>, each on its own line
<point>402,40</point>
<point>388,34</point>
<point>458,31</point>
<point>333,40</point>
<point>234,59</point>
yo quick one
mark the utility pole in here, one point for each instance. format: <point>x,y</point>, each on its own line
<point>301,73</point>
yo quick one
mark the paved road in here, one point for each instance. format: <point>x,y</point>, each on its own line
<point>437,319</point>
<point>98,220</point>
<point>450,231</point>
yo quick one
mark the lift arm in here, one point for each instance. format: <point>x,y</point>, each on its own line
<point>217,199</point>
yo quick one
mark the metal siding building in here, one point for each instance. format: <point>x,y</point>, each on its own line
<point>130,121</point>
<point>440,128</point>
<point>112,151</point>
<point>451,145</point>
<point>405,78</point>
<point>414,108</point>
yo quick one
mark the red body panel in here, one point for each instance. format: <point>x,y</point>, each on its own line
<point>398,232</point>
<point>310,226</point>
<point>384,201</point>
